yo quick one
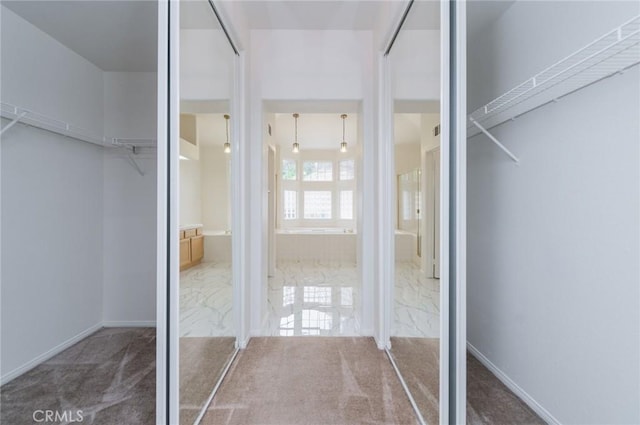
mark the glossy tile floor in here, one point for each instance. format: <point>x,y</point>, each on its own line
<point>314,298</point>
<point>206,300</point>
<point>417,303</point>
<point>110,377</point>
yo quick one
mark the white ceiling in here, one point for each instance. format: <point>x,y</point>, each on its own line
<point>482,13</point>
<point>312,106</point>
<point>424,15</point>
<point>310,14</point>
<point>197,14</point>
<point>113,35</point>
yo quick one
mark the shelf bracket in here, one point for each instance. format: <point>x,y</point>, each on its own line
<point>494,140</point>
<point>15,121</point>
<point>134,164</point>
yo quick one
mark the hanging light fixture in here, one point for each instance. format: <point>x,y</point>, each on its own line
<point>227,145</point>
<point>296,145</point>
<point>343,145</point>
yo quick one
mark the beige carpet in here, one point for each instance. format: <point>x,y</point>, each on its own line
<point>310,380</point>
<point>489,401</point>
<point>418,362</point>
<point>202,361</point>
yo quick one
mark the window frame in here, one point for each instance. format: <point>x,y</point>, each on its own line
<point>299,185</point>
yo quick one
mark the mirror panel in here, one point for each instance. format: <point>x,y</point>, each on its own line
<point>207,334</point>
<point>415,329</point>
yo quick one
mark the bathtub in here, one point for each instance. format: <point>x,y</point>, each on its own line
<point>406,246</point>
<point>315,230</point>
<point>217,245</point>
<point>325,244</point>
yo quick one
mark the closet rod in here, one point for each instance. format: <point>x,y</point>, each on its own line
<point>12,123</point>
<point>43,122</point>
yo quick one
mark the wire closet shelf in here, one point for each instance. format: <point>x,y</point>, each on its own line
<point>34,119</point>
<point>613,53</point>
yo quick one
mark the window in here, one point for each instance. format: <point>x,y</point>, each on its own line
<point>289,171</point>
<point>317,204</point>
<point>346,205</point>
<point>317,171</point>
<point>346,169</point>
<point>290,204</point>
<point>317,191</point>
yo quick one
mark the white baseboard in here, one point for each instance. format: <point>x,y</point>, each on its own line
<point>522,394</point>
<point>129,324</point>
<point>68,343</point>
<point>241,345</point>
<point>48,354</point>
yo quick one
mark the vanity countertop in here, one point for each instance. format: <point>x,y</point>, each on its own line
<point>190,226</point>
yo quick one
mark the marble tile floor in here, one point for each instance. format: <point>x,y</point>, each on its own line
<point>416,303</point>
<point>313,298</point>
<point>206,301</point>
<point>109,377</point>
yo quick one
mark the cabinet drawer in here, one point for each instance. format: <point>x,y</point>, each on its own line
<point>189,233</point>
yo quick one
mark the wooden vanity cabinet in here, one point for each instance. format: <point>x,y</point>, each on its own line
<point>191,247</point>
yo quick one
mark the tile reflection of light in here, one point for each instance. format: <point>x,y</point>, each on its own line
<point>306,298</point>
<point>287,325</point>
<point>314,321</point>
<point>288,295</point>
<point>346,297</point>
<point>317,294</point>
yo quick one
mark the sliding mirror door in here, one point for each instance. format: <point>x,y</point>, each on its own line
<point>414,62</point>
<point>206,328</point>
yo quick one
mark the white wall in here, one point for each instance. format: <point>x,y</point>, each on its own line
<point>129,241</point>
<point>42,75</point>
<point>427,140</point>
<point>190,192</point>
<point>51,224</point>
<point>206,65</point>
<point>297,64</point>
<point>416,76</point>
<point>407,157</point>
<point>553,251</point>
<point>215,190</point>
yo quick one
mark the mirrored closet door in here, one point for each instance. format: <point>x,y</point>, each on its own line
<point>414,62</point>
<point>206,327</point>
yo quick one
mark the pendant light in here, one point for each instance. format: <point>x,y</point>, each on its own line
<point>296,145</point>
<point>227,145</point>
<point>343,145</point>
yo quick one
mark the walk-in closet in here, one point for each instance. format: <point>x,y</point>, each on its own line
<point>78,211</point>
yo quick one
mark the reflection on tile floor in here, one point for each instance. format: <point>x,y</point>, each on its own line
<point>314,298</point>
<point>206,300</point>
<point>417,303</point>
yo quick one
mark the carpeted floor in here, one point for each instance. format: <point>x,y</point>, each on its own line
<point>202,361</point>
<point>310,380</point>
<point>110,376</point>
<point>489,401</point>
